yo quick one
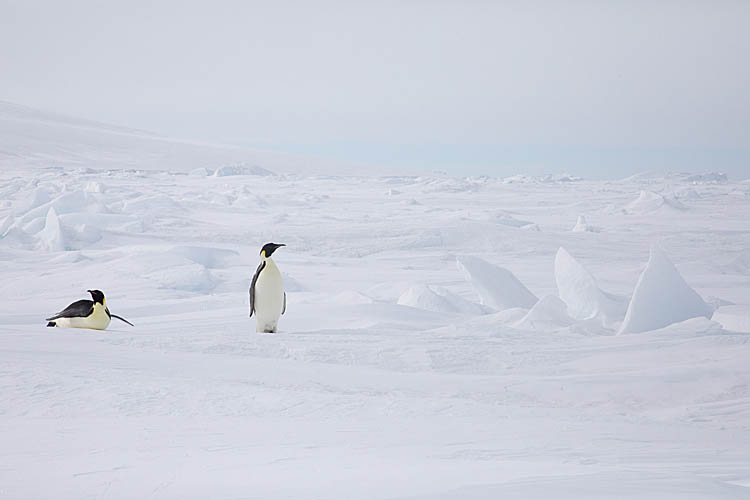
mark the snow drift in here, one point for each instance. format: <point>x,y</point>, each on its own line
<point>662,297</point>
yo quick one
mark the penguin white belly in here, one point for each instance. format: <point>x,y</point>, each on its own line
<point>269,298</point>
<point>98,320</point>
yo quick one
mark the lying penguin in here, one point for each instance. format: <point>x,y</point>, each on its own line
<point>267,296</point>
<point>84,313</point>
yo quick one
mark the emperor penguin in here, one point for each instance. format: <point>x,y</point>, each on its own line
<point>267,296</point>
<point>84,313</point>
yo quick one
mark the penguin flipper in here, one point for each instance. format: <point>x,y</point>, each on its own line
<point>78,309</point>
<point>121,319</point>
<point>283,309</point>
<point>252,287</point>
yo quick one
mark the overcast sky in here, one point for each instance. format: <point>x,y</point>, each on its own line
<point>600,89</point>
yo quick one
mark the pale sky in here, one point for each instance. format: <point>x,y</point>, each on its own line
<point>599,89</point>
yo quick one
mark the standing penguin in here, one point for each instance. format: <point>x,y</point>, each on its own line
<point>267,296</point>
<point>84,313</point>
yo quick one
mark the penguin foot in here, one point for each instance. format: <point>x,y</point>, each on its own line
<point>51,323</point>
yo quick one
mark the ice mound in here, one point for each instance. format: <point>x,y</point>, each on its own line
<point>200,172</point>
<point>650,202</point>
<point>229,170</point>
<point>582,226</point>
<point>662,297</point>
<point>579,291</point>
<point>38,198</point>
<point>206,256</point>
<point>51,238</point>
<point>438,299</point>
<point>548,313</point>
<point>497,287</point>
<point>735,318</point>
<point>708,177</point>
<point>508,220</point>
<point>73,202</point>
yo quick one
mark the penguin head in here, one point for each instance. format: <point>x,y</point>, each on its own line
<point>269,248</point>
<point>97,296</point>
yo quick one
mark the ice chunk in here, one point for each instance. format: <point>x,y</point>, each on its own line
<point>496,286</point>
<point>548,313</point>
<point>662,297</point>
<point>582,226</point>
<point>229,170</point>
<point>735,318</point>
<point>37,199</point>
<point>582,296</point>
<point>650,202</point>
<point>439,299</point>
<point>51,237</point>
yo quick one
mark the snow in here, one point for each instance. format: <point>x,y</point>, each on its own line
<point>497,287</point>
<point>388,380</point>
<point>662,297</point>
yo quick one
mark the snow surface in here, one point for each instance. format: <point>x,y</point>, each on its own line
<point>389,379</point>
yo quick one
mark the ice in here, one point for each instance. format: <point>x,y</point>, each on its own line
<point>228,170</point>
<point>662,297</point>
<point>497,287</point>
<point>439,299</point>
<point>649,202</point>
<point>581,294</point>
<point>733,317</point>
<point>549,313</point>
<point>582,226</point>
<point>51,238</point>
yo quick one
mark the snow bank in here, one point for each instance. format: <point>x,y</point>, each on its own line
<point>662,297</point>
<point>579,291</point>
<point>496,286</point>
<point>735,318</point>
<point>650,202</point>
<point>547,314</point>
<point>439,299</point>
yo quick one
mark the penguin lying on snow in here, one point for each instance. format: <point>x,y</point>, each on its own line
<point>85,314</point>
<point>267,296</point>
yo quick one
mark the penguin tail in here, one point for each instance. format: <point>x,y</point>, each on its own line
<point>122,319</point>
<point>51,323</point>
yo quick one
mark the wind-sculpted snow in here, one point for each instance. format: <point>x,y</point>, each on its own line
<point>388,379</point>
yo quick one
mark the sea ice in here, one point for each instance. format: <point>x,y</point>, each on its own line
<point>497,287</point>
<point>662,297</point>
<point>580,292</point>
